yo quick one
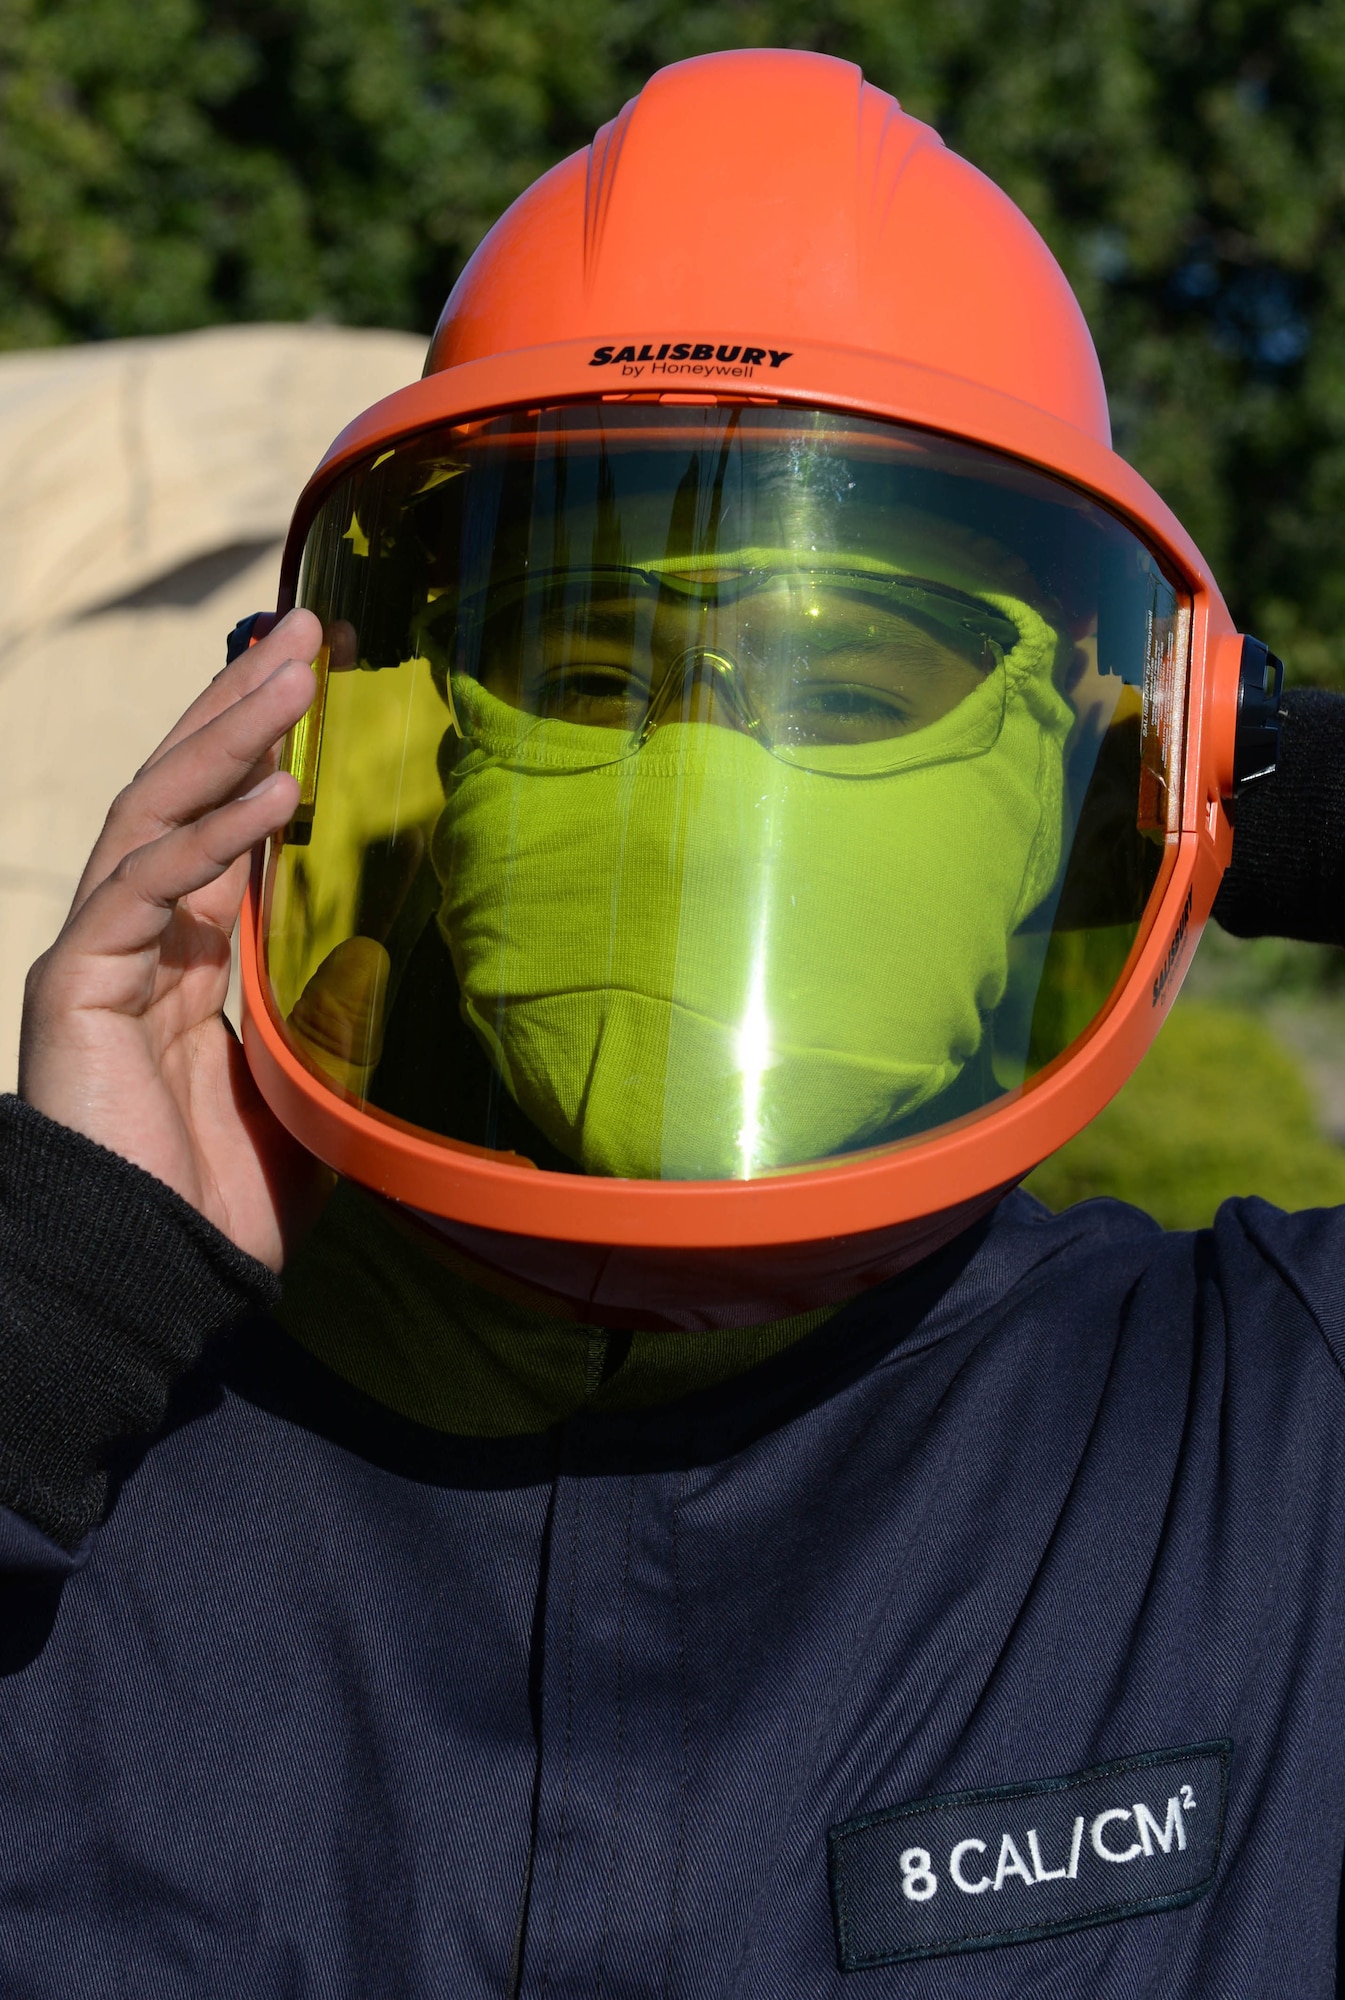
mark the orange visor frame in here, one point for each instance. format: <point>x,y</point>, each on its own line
<point>807,1227</point>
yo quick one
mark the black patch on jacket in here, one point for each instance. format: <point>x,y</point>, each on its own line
<point>974,1869</point>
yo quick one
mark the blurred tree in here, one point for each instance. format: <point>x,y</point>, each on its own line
<point>170,163</point>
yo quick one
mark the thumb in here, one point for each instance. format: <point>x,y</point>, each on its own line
<point>338,1018</point>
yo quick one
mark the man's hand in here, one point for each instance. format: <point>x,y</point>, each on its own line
<point>123,1034</point>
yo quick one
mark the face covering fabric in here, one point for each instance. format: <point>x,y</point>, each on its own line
<point>700,962</point>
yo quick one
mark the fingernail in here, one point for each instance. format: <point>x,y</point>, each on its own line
<point>257,790</point>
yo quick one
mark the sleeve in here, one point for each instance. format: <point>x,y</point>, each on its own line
<point>1287,876</point>
<point>110,1287</point>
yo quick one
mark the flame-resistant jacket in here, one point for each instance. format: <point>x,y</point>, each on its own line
<point>988,1641</point>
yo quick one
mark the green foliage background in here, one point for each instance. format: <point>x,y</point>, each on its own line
<point>172,163</point>
<point>1217,1108</point>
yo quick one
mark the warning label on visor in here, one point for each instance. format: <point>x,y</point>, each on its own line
<point>976,1869</point>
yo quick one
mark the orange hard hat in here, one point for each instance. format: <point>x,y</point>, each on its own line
<point>792,760</point>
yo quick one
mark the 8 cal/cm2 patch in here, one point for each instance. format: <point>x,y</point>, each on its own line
<point>971,1870</point>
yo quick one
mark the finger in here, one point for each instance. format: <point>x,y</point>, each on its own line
<point>234,750</point>
<point>225,757</point>
<point>338,1018</point>
<point>297,636</point>
<point>129,911</point>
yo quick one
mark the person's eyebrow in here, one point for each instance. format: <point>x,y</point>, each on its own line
<point>588,618</point>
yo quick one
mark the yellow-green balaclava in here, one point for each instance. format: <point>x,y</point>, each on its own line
<point>699,961</point>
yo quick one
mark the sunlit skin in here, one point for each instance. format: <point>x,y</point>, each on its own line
<point>123,1036</point>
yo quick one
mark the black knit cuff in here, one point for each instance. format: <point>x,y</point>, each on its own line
<point>1287,877</point>
<point>110,1286</point>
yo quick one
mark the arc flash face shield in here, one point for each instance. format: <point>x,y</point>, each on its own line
<point>728,825</point>
<point>731,789</point>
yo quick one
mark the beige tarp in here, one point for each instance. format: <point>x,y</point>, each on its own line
<point>145,487</point>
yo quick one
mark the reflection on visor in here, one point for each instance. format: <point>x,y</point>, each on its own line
<point>707,792</point>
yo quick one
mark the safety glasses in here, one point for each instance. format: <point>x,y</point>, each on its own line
<point>807,658</point>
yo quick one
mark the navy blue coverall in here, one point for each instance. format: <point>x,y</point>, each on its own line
<point>987,1641</point>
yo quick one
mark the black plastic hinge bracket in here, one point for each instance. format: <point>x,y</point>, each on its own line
<point>243,632</point>
<point>1256,744</point>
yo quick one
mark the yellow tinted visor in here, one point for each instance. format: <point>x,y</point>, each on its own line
<point>704,792</point>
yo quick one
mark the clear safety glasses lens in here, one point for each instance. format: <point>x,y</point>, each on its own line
<point>808,658</point>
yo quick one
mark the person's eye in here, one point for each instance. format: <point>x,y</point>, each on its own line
<point>588,689</point>
<point>847,712</point>
<point>848,699</point>
<point>594,677</point>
